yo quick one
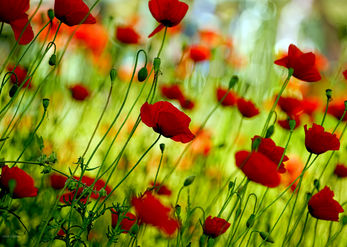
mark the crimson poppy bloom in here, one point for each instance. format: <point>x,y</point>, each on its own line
<point>127,222</point>
<point>127,35</point>
<point>161,189</point>
<point>230,98</point>
<point>167,120</point>
<point>24,184</point>
<point>303,64</point>
<point>213,227</point>
<point>268,148</point>
<point>172,92</point>
<point>318,141</point>
<point>21,74</point>
<point>199,53</point>
<point>247,108</point>
<point>13,13</point>
<point>291,106</point>
<point>340,171</point>
<point>57,181</point>
<point>336,109</point>
<point>72,12</point>
<point>149,210</point>
<point>322,205</point>
<point>168,13</point>
<point>79,92</point>
<point>258,168</point>
<point>345,74</point>
<point>187,104</point>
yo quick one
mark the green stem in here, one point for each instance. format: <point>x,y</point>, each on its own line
<point>303,230</point>
<point>162,42</point>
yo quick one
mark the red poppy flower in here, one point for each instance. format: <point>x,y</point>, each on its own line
<point>187,104</point>
<point>291,106</point>
<point>127,35</point>
<point>310,105</point>
<point>268,148</point>
<point>72,12</point>
<point>161,189</point>
<point>57,181</point>
<point>229,100</point>
<point>24,184</point>
<point>258,168</point>
<point>345,74</point>
<point>21,74</point>
<point>318,141</point>
<point>322,205</point>
<point>149,210</point>
<point>213,227</point>
<point>285,123</point>
<point>336,110</point>
<point>172,92</point>
<point>13,13</point>
<point>168,13</point>
<point>167,120</point>
<point>340,171</point>
<point>79,92</point>
<point>303,64</point>
<point>247,108</point>
<point>127,222</point>
<point>199,53</point>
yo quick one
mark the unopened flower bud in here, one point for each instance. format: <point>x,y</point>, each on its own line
<point>329,93</point>
<point>231,185</point>
<point>45,103</point>
<point>13,90</point>
<point>292,124</point>
<point>113,74</point>
<point>344,220</point>
<point>250,221</point>
<point>52,60</point>
<point>237,213</point>
<point>270,131</point>
<point>189,180</point>
<point>316,184</point>
<point>234,79</point>
<point>142,74</point>
<point>134,230</point>
<point>162,147</point>
<point>50,13</point>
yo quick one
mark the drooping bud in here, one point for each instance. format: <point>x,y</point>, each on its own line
<point>45,103</point>
<point>50,13</point>
<point>329,93</point>
<point>142,74</point>
<point>52,60</point>
<point>13,90</point>
<point>113,74</point>
<point>270,131</point>
<point>162,147</point>
<point>234,79</point>
<point>250,221</point>
<point>189,180</point>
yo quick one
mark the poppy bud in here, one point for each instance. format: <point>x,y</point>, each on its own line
<point>250,221</point>
<point>329,93</point>
<point>142,74</point>
<point>52,60</point>
<point>316,184</point>
<point>156,64</point>
<point>134,230</point>
<point>237,213</point>
<point>344,220</point>
<point>189,180</point>
<point>292,124</point>
<point>266,236</point>
<point>270,131</point>
<point>13,90</point>
<point>308,196</point>
<point>162,147</point>
<point>45,103</point>
<point>234,79</point>
<point>113,74</point>
<point>178,210</point>
<point>50,14</point>
<point>231,185</point>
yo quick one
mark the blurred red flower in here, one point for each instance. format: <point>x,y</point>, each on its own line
<point>127,35</point>
<point>291,106</point>
<point>340,171</point>
<point>187,104</point>
<point>172,92</point>
<point>285,123</point>
<point>310,105</point>
<point>199,53</point>
<point>57,181</point>
<point>13,13</point>
<point>213,227</point>
<point>79,92</point>
<point>303,64</point>
<point>161,189</point>
<point>247,108</point>
<point>336,109</point>
<point>318,141</point>
<point>149,210</point>
<point>168,13</point>
<point>72,12</point>
<point>229,100</point>
<point>268,148</point>
<point>167,120</point>
<point>322,205</point>
<point>24,184</point>
<point>21,74</point>
<point>127,222</point>
<point>345,74</point>
<point>258,168</point>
